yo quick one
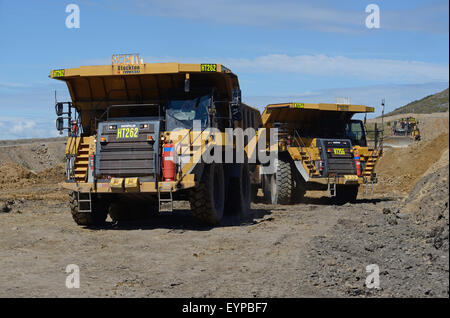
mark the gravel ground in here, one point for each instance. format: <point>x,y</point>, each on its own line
<point>308,250</point>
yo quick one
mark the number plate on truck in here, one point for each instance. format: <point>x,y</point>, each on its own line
<point>339,151</point>
<point>127,132</point>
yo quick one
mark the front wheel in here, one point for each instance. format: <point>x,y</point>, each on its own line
<point>207,199</point>
<point>285,181</point>
<point>98,207</point>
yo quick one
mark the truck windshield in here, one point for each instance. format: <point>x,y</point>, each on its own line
<point>182,111</point>
<point>354,130</point>
<point>336,129</point>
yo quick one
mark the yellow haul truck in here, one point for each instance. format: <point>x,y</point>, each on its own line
<point>133,146</point>
<point>320,147</point>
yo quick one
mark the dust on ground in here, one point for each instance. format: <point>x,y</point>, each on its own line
<point>314,249</point>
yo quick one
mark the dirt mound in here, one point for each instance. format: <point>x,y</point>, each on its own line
<point>410,264</point>
<point>13,173</point>
<point>401,168</point>
<point>34,155</point>
<point>53,174</point>
<point>428,204</point>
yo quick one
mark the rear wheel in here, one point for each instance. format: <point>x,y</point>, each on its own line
<point>98,214</point>
<point>285,181</point>
<point>207,199</point>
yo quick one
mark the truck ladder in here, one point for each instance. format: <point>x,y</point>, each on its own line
<point>88,201</point>
<point>163,200</point>
<point>366,189</point>
<point>331,187</point>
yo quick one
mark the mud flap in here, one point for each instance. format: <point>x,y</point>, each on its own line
<point>302,170</point>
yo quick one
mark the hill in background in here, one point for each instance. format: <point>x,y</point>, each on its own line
<point>436,103</point>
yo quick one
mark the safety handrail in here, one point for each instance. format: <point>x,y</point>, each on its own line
<point>73,146</point>
<point>302,146</point>
<point>179,144</point>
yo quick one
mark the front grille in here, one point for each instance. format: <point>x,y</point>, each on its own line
<point>126,157</point>
<point>341,166</point>
<point>337,164</point>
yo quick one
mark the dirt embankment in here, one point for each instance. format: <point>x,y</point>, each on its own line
<point>17,182</point>
<point>35,155</point>
<point>401,168</point>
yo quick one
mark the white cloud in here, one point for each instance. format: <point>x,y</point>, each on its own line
<point>18,127</point>
<point>375,70</point>
<point>22,127</point>
<point>321,15</point>
<point>340,66</point>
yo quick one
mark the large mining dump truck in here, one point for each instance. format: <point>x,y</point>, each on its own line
<point>320,147</point>
<point>136,140</point>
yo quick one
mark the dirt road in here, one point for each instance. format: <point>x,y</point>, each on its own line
<point>299,251</point>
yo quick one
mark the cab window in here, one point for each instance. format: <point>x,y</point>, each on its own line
<point>354,130</point>
<point>182,111</point>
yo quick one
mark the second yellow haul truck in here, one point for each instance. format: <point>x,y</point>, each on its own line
<point>320,147</point>
<point>132,147</point>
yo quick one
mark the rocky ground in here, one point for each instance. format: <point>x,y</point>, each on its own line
<point>314,249</point>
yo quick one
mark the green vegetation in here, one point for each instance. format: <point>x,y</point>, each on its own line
<point>436,103</point>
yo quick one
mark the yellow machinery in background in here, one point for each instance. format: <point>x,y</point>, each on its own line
<point>404,132</point>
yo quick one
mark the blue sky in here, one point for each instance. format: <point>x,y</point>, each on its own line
<point>304,51</point>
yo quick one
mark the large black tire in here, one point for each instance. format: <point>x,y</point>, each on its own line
<point>207,199</point>
<point>240,192</point>
<point>285,181</point>
<point>290,184</point>
<point>270,188</point>
<point>96,217</point>
<point>346,193</point>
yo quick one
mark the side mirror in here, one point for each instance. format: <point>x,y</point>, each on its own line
<point>59,109</point>
<point>60,124</point>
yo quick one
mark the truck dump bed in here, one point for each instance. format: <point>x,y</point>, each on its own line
<point>94,88</point>
<point>295,113</point>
